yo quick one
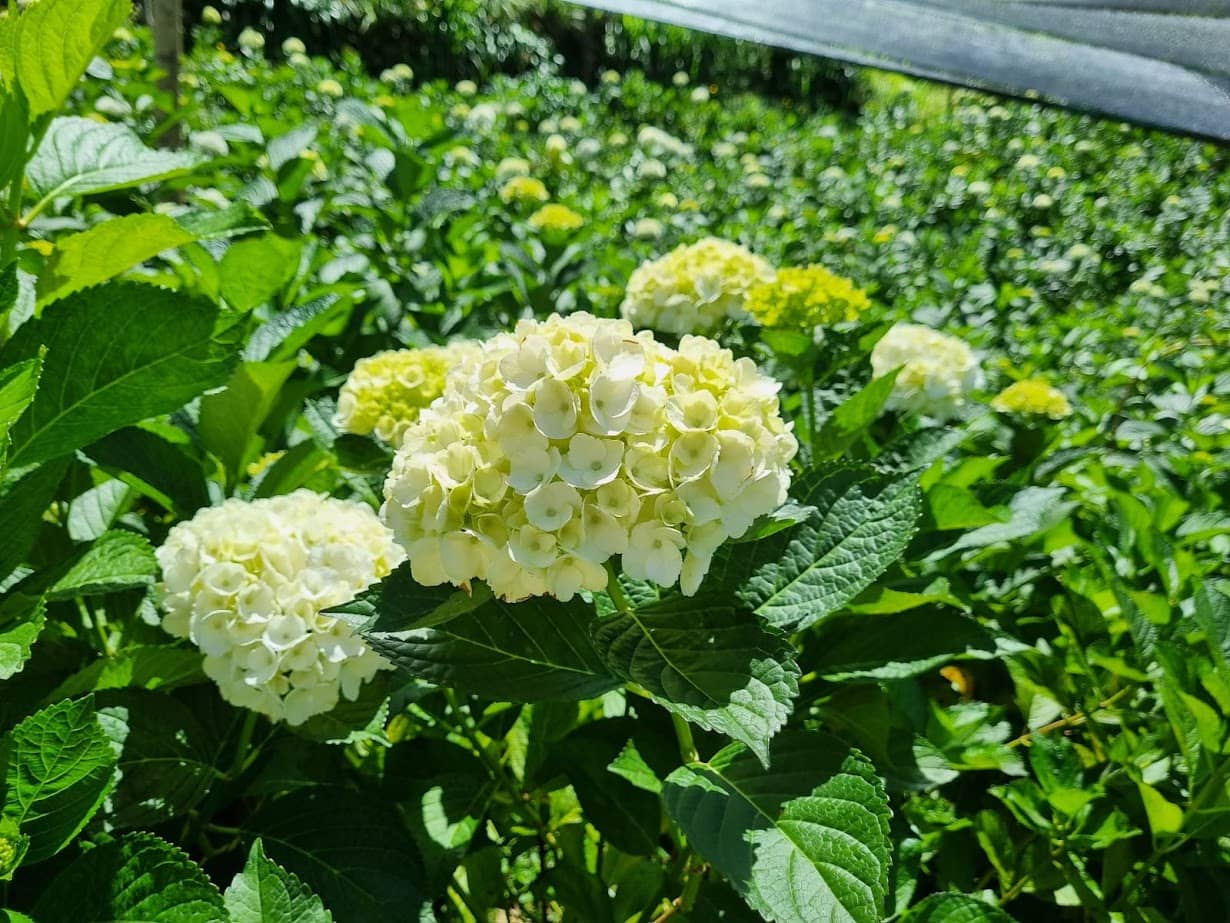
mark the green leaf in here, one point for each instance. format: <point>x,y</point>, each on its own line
<point>256,269</point>
<point>444,791</point>
<point>58,767</point>
<point>94,511</point>
<point>56,40</point>
<point>1165,817</point>
<point>119,560</point>
<point>24,496</point>
<point>264,892</point>
<point>954,908</point>
<point>951,508</point>
<point>708,661</point>
<point>397,603</point>
<point>136,879</point>
<point>852,417</point>
<point>14,136</point>
<point>18,384</point>
<point>21,622</point>
<point>349,848</point>
<point>1212,612</point>
<point>166,762</point>
<point>807,837</point>
<point>106,250</point>
<point>236,219</point>
<point>283,335</point>
<point>523,652</point>
<point>1031,511</point>
<point>231,417</point>
<point>626,815</point>
<point>141,667</point>
<point>862,523</point>
<point>154,466</point>
<point>118,353</point>
<point>896,646</point>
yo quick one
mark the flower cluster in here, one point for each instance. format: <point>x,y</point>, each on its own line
<point>247,583</point>
<point>694,288</point>
<point>806,298</point>
<point>575,440</point>
<point>1035,397</point>
<point>385,392</point>
<point>555,217</point>
<point>521,189</point>
<point>659,143</point>
<point>937,372</point>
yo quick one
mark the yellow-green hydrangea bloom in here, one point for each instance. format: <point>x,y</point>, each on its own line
<point>574,440</point>
<point>938,372</point>
<point>521,189</point>
<point>1033,396</point>
<point>386,392</point>
<point>806,298</point>
<point>695,288</point>
<point>555,217</point>
<point>248,582</point>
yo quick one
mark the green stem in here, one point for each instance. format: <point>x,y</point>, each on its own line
<point>245,742</point>
<point>683,734</point>
<point>616,591</point>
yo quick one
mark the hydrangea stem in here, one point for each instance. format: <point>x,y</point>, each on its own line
<point>244,744</point>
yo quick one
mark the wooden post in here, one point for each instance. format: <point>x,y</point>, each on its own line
<point>166,19</point>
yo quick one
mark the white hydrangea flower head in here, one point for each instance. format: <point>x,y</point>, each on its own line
<point>385,392</point>
<point>573,441</point>
<point>695,288</point>
<point>247,582</point>
<point>655,141</point>
<point>938,371</point>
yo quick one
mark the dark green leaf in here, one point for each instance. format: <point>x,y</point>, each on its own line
<point>523,652</point>
<point>137,879</point>
<point>118,354</point>
<point>852,417</point>
<point>24,497</point>
<point>955,908</point>
<point>348,848</point>
<point>862,523</point>
<point>808,836</point>
<point>58,766</point>
<point>264,892</point>
<point>708,661</point>
<point>155,466</point>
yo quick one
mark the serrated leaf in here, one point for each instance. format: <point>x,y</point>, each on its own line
<point>955,908</point>
<point>136,879</point>
<point>862,523</point>
<point>264,892</point>
<point>55,42</point>
<point>899,645</point>
<point>18,384</point>
<point>58,767</point>
<point>81,157</point>
<point>94,511</point>
<point>348,848</point>
<point>524,652</point>
<point>119,560</point>
<point>707,661</point>
<point>21,622</point>
<point>118,353</point>
<point>106,250</point>
<point>1212,611</point>
<point>236,219</point>
<point>283,335</point>
<point>806,839</point>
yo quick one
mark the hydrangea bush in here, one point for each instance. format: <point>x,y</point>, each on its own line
<point>870,568</point>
